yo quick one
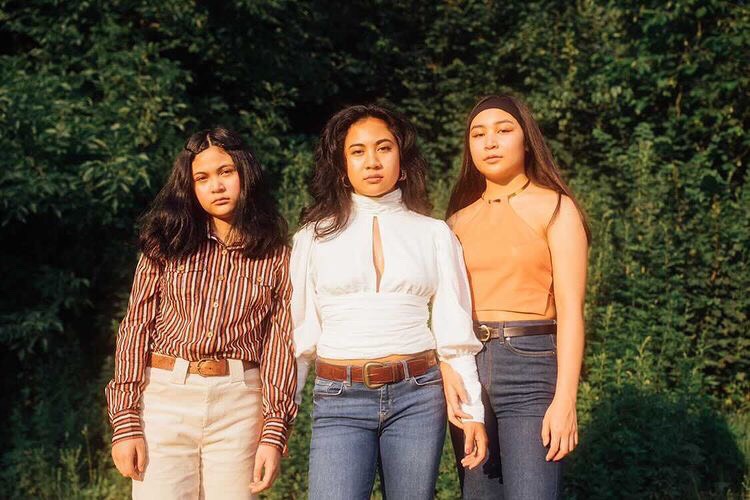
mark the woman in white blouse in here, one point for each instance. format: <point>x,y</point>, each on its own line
<point>366,266</point>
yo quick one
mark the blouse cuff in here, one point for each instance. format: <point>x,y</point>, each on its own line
<point>303,366</point>
<point>466,367</point>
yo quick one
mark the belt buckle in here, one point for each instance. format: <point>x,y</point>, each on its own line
<point>366,374</point>
<point>487,333</point>
<point>200,365</point>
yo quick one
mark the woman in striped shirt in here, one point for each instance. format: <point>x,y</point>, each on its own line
<point>203,390</point>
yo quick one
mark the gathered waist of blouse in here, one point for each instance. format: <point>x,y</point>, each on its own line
<point>373,324</point>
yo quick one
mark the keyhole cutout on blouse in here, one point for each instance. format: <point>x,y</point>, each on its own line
<point>377,253</point>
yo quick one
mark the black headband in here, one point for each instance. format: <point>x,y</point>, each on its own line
<point>500,102</point>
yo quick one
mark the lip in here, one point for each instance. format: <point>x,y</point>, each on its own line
<point>373,179</point>
<point>492,158</point>
<point>221,201</point>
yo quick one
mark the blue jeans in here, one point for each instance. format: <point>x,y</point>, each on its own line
<point>401,424</point>
<point>518,377</point>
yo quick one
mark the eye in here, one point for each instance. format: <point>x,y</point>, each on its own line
<point>200,179</point>
<point>505,130</point>
<point>357,152</point>
<point>385,149</point>
<point>477,134</point>
<point>227,171</point>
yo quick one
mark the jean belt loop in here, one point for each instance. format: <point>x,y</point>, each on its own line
<point>236,370</point>
<point>348,375</point>
<point>407,375</point>
<point>179,371</point>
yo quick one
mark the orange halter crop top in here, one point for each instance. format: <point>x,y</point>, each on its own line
<point>508,263</point>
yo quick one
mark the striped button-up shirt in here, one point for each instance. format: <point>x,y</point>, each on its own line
<point>214,304</point>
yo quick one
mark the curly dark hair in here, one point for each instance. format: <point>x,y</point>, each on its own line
<point>331,205</point>
<point>175,224</point>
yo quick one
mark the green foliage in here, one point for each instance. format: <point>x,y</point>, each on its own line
<point>645,105</point>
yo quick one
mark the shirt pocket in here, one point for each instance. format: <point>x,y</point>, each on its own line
<point>183,280</point>
<point>259,291</point>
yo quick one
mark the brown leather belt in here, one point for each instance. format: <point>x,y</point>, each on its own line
<point>486,331</point>
<point>203,367</point>
<point>375,374</point>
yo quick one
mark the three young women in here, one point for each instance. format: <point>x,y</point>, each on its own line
<point>203,389</point>
<point>525,244</point>
<point>366,266</point>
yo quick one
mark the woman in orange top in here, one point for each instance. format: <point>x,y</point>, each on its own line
<point>525,243</point>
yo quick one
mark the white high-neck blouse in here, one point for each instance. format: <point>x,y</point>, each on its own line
<point>339,313</point>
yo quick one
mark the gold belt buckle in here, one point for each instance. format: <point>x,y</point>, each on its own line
<point>366,374</point>
<point>486,334</point>
<point>200,365</point>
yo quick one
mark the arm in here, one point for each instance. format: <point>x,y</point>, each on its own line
<point>457,345</point>
<point>569,250</point>
<point>279,379</point>
<point>305,315</point>
<point>124,391</point>
<point>277,367</point>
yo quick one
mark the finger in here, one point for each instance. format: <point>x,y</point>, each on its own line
<point>469,436</point>
<point>554,446</point>
<point>482,450</point>
<point>576,436</point>
<point>572,443</point>
<point>258,469</point>
<point>140,452</point>
<point>461,393</point>
<point>453,419</point>
<point>545,431</point>
<point>563,448</point>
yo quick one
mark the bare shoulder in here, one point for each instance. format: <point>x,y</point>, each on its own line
<point>537,204</point>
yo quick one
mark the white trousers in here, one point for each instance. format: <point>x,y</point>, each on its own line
<point>201,433</point>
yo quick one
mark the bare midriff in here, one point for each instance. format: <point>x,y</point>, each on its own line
<point>360,362</point>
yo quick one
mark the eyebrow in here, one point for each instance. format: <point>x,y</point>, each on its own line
<point>377,143</point>
<point>496,123</point>
<point>217,168</point>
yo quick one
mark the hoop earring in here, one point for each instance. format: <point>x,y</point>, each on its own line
<point>402,177</point>
<point>344,182</point>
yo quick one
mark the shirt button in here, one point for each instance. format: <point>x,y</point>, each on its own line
<point>210,334</point>
<point>216,304</point>
<point>259,279</point>
<point>220,277</point>
<point>223,252</point>
<point>180,267</point>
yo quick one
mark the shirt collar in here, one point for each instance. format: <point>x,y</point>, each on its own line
<point>388,203</point>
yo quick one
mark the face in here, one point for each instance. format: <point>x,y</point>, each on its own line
<point>496,144</point>
<point>372,157</point>
<point>216,182</point>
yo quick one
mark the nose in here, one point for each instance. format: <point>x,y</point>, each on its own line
<point>371,160</point>
<point>491,141</point>
<point>217,186</point>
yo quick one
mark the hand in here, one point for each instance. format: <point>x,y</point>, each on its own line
<point>129,456</point>
<point>455,393</point>
<point>560,428</point>
<point>475,444</point>
<point>267,467</point>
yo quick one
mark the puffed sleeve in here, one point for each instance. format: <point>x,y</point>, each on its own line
<point>451,319</point>
<point>305,314</point>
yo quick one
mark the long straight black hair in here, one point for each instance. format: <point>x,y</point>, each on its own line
<point>540,167</point>
<point>176,224</point>
<point>331,205</point>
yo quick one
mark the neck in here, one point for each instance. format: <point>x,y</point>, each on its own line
<point>221,228</point>
<point>499,188</point>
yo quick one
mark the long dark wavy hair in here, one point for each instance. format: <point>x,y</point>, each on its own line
<point>175,224</point>
<point>329,189</point>
<point>540,166</point>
